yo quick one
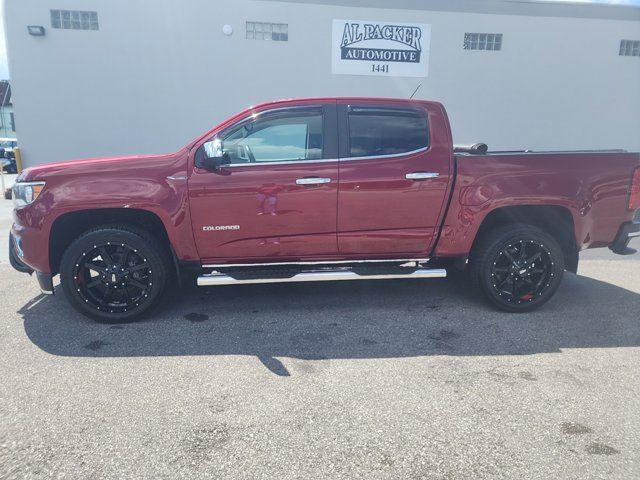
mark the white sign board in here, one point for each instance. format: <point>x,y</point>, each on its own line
<point>386,49</point>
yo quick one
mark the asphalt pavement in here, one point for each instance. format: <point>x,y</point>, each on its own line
<point>406,379</point>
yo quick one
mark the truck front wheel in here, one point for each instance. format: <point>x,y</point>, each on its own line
<point>518,267</point>
<point>114,273</point>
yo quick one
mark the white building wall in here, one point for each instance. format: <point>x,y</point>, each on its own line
<point>159,72</point>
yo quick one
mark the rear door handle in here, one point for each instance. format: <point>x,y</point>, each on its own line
<point>312,181</point>
<point>421,175</point>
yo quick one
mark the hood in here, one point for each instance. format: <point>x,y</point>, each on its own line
<point>101,165</point>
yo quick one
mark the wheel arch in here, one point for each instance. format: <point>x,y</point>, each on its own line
<point>556,220</point>
<point>70,225</point>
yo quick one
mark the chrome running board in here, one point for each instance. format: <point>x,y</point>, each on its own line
<point>318,276</point>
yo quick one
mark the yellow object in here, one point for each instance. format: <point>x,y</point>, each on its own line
<point>18,155</point>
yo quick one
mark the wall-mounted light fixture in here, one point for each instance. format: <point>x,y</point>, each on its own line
<point>227,30</point>
<point>35,30</point>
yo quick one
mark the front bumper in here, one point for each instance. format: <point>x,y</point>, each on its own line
<point>45,280</point>
<point>14,256</point>
<point>626,232</point>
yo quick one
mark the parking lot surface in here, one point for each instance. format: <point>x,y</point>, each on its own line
<point>414,379</point>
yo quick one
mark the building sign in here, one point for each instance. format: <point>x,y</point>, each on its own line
<point>389,49</point>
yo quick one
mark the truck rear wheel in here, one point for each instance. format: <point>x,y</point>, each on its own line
<point>517,267</point>
<point>114,273</point>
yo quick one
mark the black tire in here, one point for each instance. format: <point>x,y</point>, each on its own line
<point>141,276</point>
<point>517,267</point>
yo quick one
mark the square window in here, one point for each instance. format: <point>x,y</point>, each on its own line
<point>55,19</point>
<point>482,41</point>
<point>629,48</point>
<point>74,19</point>
<point>266,31</point>
<point>85,18</point>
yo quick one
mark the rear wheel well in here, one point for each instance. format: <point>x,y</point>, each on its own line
<point>554,220</point>
<point>70,226</point>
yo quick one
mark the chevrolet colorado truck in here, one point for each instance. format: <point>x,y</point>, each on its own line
<point>321,189</point>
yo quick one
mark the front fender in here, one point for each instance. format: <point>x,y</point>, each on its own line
<point>155,184</point>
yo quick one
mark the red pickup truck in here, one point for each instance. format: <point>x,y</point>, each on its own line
<point>321,189</point>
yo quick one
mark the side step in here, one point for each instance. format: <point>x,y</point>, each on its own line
<point>319,276</point>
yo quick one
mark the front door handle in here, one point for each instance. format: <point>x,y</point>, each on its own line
<point>312,181</point>
<point>421,175</point>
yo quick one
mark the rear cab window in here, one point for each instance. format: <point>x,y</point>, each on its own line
<point>381,131</point>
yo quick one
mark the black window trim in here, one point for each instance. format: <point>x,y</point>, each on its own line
<point>329,134</point>
<point>345,137</point>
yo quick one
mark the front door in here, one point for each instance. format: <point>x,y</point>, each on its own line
<point>275,199</point>
<point>393,180</point>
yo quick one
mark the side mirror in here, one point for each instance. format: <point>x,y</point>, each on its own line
<point>214,155</point>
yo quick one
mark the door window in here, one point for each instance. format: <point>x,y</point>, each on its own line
<point>375,132</point>
<point>276,137</point>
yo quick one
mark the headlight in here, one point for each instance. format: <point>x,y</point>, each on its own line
<point>26,192</point>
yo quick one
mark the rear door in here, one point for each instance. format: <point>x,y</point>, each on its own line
<point>276,199</point>
<point>394,179</point>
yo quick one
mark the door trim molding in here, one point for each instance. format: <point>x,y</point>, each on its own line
<point>287,162</point>
<point>325,262</point>
<point>393,155</point>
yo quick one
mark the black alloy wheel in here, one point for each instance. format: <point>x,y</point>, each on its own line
<point>114,273</point>
<point>522,271</point>
<point>517,267</point>
<point>113,277</point>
